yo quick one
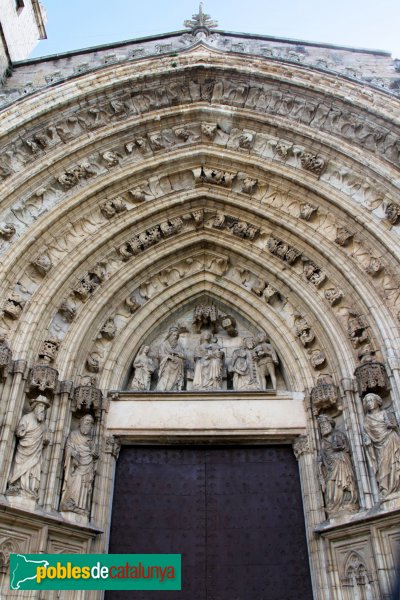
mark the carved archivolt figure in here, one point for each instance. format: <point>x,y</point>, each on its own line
<point>266,359</point>
<point>382,441</point>
<point>335,469</point>
<point>32,433</point>
<point>244,367</point>
<point>79,468</point>
<point>172,359</point>
<point>144,367</point>
<point>209,358</point>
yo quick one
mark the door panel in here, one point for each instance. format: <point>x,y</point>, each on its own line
<point>235,515</point>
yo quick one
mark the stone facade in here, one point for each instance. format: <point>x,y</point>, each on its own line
<point>216,218</point>
<point>22,24</point>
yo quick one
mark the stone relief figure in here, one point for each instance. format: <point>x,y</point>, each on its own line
<point>382,441</point>
<point>266,359</point>
<point>144,367</point>
<point>209,358</point>
<point>79,468</point>
<point>172,361</point>
<point>336,472</point>
<point>244,367</point>
<point>32,436</point>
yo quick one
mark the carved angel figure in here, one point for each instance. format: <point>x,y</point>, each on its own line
<point>335,469</point>
<point>382,441</point>
<point>79,468</point>
<point>209,358</point>
<point>144,367</point>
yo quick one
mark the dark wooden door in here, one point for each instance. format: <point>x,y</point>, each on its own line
<point>235,515</point>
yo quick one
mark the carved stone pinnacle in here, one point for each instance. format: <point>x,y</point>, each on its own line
<point>200,21</point>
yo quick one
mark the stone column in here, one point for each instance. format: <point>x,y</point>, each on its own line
<point>59,425</point>
<point>353,419</point>
<point>314,514</point>
<point>103,492</point>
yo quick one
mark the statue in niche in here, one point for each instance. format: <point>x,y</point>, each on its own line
<point>209,359</point>
<point>266,359</point>
<point>32,435</point>
<point>244,367</point>
<point>79,468</point>
<point>382,441</point>
<point>172,362</point>
<point>144,368</point>
<point>336,472</point>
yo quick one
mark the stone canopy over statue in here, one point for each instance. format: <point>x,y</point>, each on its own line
<point>210,350</point>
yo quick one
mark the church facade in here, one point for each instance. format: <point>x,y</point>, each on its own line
<point>200,248</point>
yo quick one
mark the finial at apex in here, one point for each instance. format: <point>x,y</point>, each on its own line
<point>200,21</point>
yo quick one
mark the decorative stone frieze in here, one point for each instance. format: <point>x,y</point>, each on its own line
<point>74,175</point>
<point>91,281</point>
<point>308,211</point>
<point>111,208</point>
<point>312,163</point>
<point>313,273</point>
<point>282,250</point>
<point>343,236</point>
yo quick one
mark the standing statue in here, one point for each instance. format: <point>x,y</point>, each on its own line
<point>244,367</point>
<point>382,441</point>
<point>336,472</point>
<point>266,359</point>
<point>32,433</point>
<point>79,468</point>
<point>144,367</point>
<point>172,362</point>
<point>208,358</point>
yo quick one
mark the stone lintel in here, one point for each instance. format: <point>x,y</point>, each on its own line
<point>228,415</point>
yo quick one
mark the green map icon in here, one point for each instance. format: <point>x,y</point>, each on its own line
<point>23,570</point>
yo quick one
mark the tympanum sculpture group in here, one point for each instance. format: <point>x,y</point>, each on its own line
<point>252,365</point>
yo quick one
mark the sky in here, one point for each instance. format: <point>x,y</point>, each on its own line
<point>75,24</point>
